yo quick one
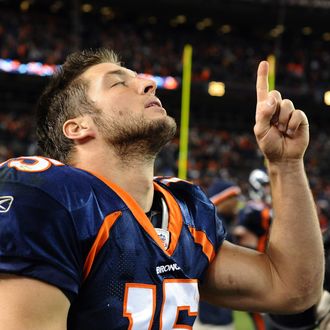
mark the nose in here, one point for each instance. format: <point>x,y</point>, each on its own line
<point>147,86</point>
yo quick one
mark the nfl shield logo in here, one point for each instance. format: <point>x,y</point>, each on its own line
<point>164,235</point>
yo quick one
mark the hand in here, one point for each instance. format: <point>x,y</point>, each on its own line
<point>281,130</point>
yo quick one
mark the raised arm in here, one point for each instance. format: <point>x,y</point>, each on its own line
<point>289,276</point>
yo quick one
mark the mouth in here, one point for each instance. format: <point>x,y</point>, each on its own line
<point>153,103</point>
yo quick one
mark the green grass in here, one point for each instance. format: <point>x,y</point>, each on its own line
<point>242,321</point>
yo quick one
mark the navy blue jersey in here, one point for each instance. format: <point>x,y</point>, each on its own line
<point>88,237</point>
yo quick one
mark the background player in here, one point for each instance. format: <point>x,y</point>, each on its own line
<point>252,231</point>
<point>254,219</point>
<point>225,196</point>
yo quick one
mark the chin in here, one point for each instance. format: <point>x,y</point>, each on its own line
<point>167,120</point>
<point>158,112</point>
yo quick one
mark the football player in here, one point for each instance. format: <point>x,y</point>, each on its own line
<point>78,249</point>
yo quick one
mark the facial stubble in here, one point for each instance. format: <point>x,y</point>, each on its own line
<point>136,138</point>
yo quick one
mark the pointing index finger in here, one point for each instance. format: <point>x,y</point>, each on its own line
<point>262,81</point>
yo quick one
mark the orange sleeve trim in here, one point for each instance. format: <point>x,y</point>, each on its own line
<point>225,194</point>
<point>100,240</point>
<point>201,238</point>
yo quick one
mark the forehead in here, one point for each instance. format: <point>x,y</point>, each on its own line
<point>102,70</point>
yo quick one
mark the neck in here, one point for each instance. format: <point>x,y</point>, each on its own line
<point>134,176</point>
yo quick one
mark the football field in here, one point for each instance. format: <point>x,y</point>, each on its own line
<point>242,321</point>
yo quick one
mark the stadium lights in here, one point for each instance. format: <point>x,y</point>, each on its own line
<point>86,7</point>
<point>277,31</point>
<point>31,68</point>
<point>42,69</point>
<point>205,23</point>
<point>216,88</point>
<point>178,20</point>
<point>326,36</point>
<point>181,19</point>
<point>226,28</point>
<point>162,82</point>
<point>307,30</point>
<point>25,5</point>
<point>107,12</point>
<point>327,98</point>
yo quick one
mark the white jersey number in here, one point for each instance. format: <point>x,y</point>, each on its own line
<point>32,163</point>
<point>178,295</point>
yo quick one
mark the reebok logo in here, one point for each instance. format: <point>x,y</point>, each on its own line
<point>167,268</point>
<point>5,203</point>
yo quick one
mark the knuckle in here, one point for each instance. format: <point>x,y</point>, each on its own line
<point>276,94</point>
<point>287,104</point>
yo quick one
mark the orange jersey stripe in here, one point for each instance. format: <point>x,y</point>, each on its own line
<point>100,240</point>
<point>201,238</point>
<point>225,194</point>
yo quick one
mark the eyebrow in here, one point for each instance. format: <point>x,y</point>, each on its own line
<point>121,72</point>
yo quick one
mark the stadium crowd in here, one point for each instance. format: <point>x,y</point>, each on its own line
<point>157,49</point>
<point>228,54</point>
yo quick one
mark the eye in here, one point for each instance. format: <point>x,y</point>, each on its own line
<point>119,83</point>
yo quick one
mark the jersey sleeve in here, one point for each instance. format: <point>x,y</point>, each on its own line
<point>207,219</point>
<point>38,238</point>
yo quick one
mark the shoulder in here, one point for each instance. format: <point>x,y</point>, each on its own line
<point>184,189</point>
<point>196,207</point>
<point>44,176</point>
<point>29,167</point>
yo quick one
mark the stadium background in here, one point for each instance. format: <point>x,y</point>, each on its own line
<point>229,38</point>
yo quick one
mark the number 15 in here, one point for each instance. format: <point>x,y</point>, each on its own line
<point>178,295</point>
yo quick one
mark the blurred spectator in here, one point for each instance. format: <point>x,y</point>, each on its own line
<point>254,222</point>
<point>225,196</point>
<point>230,57</point>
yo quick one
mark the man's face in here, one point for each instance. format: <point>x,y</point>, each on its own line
<point>118,91</point>
<point>130,113</point>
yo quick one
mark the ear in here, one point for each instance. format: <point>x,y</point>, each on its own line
<point>79,129</point>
